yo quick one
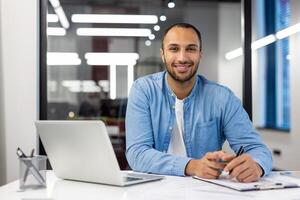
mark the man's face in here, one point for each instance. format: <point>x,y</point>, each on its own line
<point>181,53</point>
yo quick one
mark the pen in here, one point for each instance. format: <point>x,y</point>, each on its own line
<point>240,151</point>
<point>27,169</point>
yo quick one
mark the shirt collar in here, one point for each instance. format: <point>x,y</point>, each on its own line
<point>191,95</point>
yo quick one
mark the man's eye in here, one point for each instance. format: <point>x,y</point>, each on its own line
<point>173,49</point>
<point>191,49</point>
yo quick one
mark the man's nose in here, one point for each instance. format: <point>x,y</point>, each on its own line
<point>182,57</point>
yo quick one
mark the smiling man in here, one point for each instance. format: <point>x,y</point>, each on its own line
<point>177,121</point>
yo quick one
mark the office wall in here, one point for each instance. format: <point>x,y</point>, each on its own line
<point>19,58</point>
<point>2,136</point>
<point>230,73</point>
<point>204,15</point>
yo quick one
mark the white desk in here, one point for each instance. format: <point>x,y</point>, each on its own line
<point>169,188</point>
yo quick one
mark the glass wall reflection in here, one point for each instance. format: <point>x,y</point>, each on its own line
<point>96,49</point>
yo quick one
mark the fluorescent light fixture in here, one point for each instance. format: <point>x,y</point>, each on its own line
<point>266,40</point>
<point>63,58</point>
<point>55,3</point>
<point>156,27</point>
<point>76,61</point>
<point>109,62</point>
<point>171,4</point>
<point>104,84</point>
<point>62,55</point>
<point>111,58</point>
<point>130,77</point>
<point>111,19</point>
<point>147,42</point>
<point>81,86</point>
<point>122,56</point>
<point>127,32</point>
<point>254,45</point>
<point>233,54</point>
<point>288,31</point>
<point>263,42</point>
<point>56,31</point>
<point>52,18</point>
<point>163,18</point>
<point>152,37</point>
<point>86,89</point>
<point>60,13</point>
<point>113,81</point>
<point>62,17</point>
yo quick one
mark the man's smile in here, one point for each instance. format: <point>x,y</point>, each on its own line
<point>182,68</point>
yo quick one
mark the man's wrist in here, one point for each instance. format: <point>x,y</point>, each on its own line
<point>262,171</point>
<point>190,168</point>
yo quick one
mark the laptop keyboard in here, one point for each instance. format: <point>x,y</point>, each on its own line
<point>128,178</point>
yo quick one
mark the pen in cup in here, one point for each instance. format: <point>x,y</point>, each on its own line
<point>27,169</point>
<point>30,167</point>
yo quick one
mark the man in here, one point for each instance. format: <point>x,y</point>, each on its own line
<point>177,121</point>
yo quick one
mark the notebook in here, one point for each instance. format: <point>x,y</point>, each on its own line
<point>273,181</point>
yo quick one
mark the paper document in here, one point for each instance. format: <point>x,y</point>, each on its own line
<point>273,181</point>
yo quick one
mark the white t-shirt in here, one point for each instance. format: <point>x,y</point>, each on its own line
<point>177,146</point>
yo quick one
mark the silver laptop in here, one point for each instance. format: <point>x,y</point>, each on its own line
<point>82,151</point>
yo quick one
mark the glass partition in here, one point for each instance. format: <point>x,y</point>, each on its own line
<point>96,49</point>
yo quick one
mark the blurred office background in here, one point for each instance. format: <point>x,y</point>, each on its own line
<point>90,71</point>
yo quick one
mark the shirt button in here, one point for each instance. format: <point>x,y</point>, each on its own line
<point>173,106</point>
<point>170,128</point>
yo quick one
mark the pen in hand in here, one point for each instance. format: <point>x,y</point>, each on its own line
<point>239,153</point>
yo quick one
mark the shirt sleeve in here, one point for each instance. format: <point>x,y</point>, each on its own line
<point>140,151</point>
<point>238,130</point>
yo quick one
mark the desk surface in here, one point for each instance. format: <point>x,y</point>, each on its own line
<point>169,188</point>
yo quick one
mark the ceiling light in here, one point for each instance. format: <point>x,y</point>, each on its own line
<point>52,18</point>
<point>263,42</point>
<point>163,18</point>
<point>171,4</point>
<point>127,32</point>
<point>55,3</point>
<point>152,37</point>
<point>120,19</point>
<point>233,54</point>
<point>63,58</point>
<point>62,17</point>
<point>130,77</point>
<point>147,42</point>
<point>111,58</point>
<point>60,13</point>
<point>113,81</point>
<point>288,31</point>
<point>156,27</point>
<point>56,31</point>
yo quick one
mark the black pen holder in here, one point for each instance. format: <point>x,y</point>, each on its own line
<point>32,174</point>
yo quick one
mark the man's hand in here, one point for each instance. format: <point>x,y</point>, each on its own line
<point>244,169</point>
<point>209,166</point>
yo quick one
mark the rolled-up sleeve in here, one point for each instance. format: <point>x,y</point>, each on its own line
<point>239,131</point>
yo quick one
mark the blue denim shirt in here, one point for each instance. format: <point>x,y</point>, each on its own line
<point>212,114</point>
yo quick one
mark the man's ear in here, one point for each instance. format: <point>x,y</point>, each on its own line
<point>162,55</point>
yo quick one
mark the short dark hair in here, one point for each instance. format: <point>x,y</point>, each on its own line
<point>182,25</point>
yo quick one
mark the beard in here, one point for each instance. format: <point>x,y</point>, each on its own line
<point>185,78</point>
